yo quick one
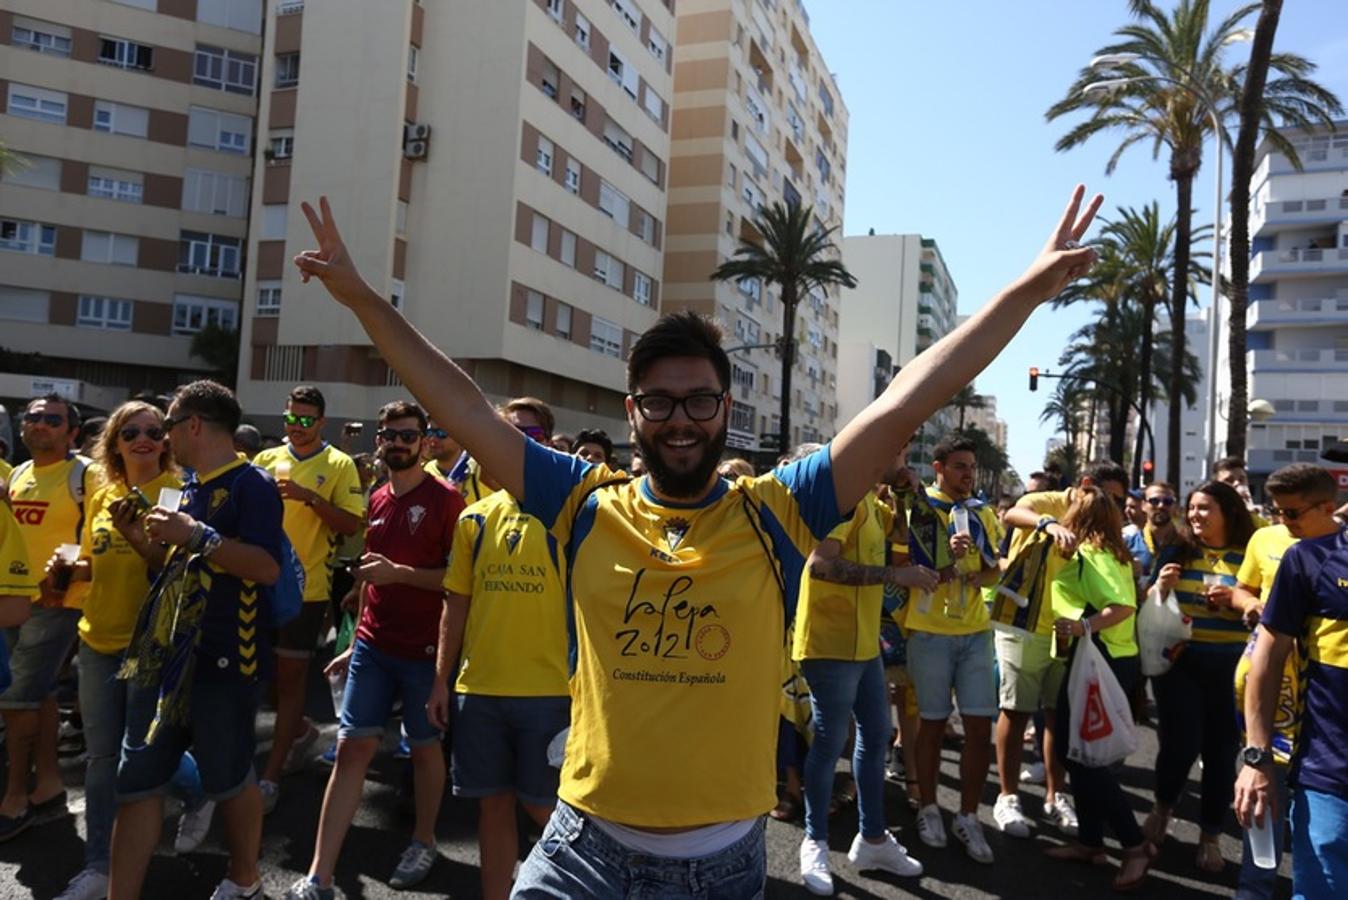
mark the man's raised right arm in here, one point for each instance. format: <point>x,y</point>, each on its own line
<point>450,397</point>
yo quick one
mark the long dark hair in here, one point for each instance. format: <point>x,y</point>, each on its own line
<point>1239,522</point>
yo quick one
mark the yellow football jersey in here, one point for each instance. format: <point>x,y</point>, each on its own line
<point>121,579</point>
<point>1042,503</point>
<point>1210,626</point>
<point>5,469</point>
<point>48,515</point>
<point>514,643</point>
<point>333,475</point>
<point>678,618</point>
<point>951,609</point>
<point>18,577</point>
<point>1262,555</point>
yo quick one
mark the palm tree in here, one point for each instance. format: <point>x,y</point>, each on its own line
<point>965,400</point>
<point>1167,94</point>
<point>1242,172</point>
<point>1065,406</point>
<point>797,256</point>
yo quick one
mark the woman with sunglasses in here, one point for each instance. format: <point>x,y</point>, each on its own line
<point>1195,705</point>
<point>117,557</point>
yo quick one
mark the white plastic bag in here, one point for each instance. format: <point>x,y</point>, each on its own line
<point>1162,631</point>
<point>1103,732</point>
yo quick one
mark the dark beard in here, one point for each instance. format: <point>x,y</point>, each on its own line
<point>682,485</point>
<point>400,462</point>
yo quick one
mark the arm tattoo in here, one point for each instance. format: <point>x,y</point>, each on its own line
<point>843,571</point>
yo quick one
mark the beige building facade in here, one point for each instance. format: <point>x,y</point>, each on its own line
<point>124,217</point>
<point>498,171</point>
<point>758,119</point>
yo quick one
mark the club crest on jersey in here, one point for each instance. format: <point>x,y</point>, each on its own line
<point>218,498</point>
<point>318,482</point>
<point>16,567</point>
<point>512,539</point>
<point>675,531</point>
<point>415,515</point>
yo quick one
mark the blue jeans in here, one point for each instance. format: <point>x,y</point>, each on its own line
<point>1256,883</point>
<point>575,859</point>
<point>1319,844</point>
<point>840,689</point>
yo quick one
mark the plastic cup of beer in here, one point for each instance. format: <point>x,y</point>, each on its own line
<point>169,499</point>
<point>68,555</point>
<point>282,470</point>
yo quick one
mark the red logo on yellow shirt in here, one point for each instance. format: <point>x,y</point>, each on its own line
<point>30,512</point>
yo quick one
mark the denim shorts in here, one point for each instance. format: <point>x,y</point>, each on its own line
<point>37,650</point>
<point>501,745</point>
<point>574,858</point>
<point>941,663</point>
<point>374,681</point>
<point>219,732</point>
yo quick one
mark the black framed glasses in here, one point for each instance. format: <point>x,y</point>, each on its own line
<point>1156,502</point>
<point>302,421</point>
<point>1291,515</point>
<point>699,407</point>
<point>172,422</point>
<point>438,433</point>
<point>132,432</point>
<point>535,433</point>
<point>402,435</point>
<point>51,420</point>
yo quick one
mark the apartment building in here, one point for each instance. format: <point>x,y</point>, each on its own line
<point>985,417</point>
<point>124,215</point>
<point>758,119</point>
<point>498,171</point>
<point>904,301</point>
<point>1297,321</point>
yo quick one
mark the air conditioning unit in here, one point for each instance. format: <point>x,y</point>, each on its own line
<point>416,132</point>
<point>416,149</point>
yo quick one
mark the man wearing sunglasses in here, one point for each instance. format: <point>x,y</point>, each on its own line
<point>1030,675</point>
<point>323,503</point>
<point>444,458</point>
<point>679,583</point>
<point>47,497</point>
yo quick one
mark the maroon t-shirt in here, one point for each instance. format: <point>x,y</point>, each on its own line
<point>417,530</point>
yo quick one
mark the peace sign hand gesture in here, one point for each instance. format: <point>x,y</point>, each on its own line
<point>1063,259</point>
<point>330,263</point>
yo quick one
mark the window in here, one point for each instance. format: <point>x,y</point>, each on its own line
<point>582,31</point>
<point>646,226</point>
<point>400,218</point>
<point>273,222</point>
<point>657,44</point>
<point>826,98</point>
<point>215,193</point>
<point>545,150</point>
<point>563,320</point>
<point>397,294</point>
<point>578,99</point>
<point>119,118</point>
<point>23,304</point>
<point>613,202</point>
<point>539,238</point>
<point>209,254</point>
<point>555,10</point>
<point>533,310</point>
<point>142,4</point>
<point>606,338</point>
<point>27,237</point>
<point>654,106</point>
<point>225,70</point>
<point>730,180</point>
<point>115,184</point>
<point>287,70</point>
<point>109,247</point>
<point>44,37</point>
<point>608,270</point>
<point>125,54</point>
<point>191,314</point>
<point>572,175</point>
<point>37,103</point>
<point>104,312</point>
<point>752,288</point>
<point>268,298</point>
<point>551,79</point>
<point>219,130</point>
<point>568,253</point>
<point>650,166</point>
<point>619,140</point>
<point>641,288</point>
<point>630,13</point>
<point>35,172</point>
<point>413,56</point>
<point>282,143</point>
<point>240,15</point>
<point>622,72</point>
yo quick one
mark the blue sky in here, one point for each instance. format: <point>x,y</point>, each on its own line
<point>948,139</point>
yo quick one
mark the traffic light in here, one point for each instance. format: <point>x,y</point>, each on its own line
<point>1034,378</point>
<point>1148,471</point>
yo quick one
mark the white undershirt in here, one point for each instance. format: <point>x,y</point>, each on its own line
<point>680,844</point>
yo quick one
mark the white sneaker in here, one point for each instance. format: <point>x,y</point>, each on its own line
<point>1009,818</point>
<point>192,827</point>
<point>969,832</point>
<point>228,890</point>
<point>930,828</point>
<point>1033,773</point>
<point>271,792</point>
<point>89,884</point>
<point>891,856</point>
<point>1062,814</point>
<point>814,867</point>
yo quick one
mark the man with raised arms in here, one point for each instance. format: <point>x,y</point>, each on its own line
<point>680,583</point>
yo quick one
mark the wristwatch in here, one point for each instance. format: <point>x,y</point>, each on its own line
<point>1256,757</point>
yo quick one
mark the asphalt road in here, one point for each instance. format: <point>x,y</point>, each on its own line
<point>39,862</point>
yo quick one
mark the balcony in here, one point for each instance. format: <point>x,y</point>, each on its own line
<point>1264,461</point>
<point>1328,360</point>
<point>1273,264</point>
<point>1275,215</point>
<point>1266,315</point>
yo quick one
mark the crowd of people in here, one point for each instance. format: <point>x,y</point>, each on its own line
<point>647,656</point>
